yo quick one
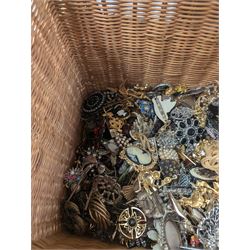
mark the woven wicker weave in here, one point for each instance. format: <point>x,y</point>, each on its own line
<point>83,45</point>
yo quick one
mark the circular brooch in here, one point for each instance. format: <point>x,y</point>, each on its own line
<point>93,102</point>
<point>132,223</point>
<point>188,132</point>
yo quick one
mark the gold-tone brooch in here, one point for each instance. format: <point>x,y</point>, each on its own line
<point>202,103</point>
<point>176,89</point>
<point>138,157</point>
<point>98,212</point>
<point>201,196</point>
<point>207,153</point>
<point>132,223</point>
<point>114,122</point>
<point>136,92</point>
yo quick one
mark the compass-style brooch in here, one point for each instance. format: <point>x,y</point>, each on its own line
<point>132,223</point>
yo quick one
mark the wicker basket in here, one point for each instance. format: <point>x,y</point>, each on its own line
<point>83,45</point>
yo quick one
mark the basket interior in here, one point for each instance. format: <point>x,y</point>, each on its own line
<point>80,46</point>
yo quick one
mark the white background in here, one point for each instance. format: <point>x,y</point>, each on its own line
<point>15,131</point>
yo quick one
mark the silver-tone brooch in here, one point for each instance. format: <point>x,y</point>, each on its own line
<point>166,139</point>
<point>180,113</point>
<point>208,228</point>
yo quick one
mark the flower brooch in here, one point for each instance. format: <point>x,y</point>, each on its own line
<point>188,132</point>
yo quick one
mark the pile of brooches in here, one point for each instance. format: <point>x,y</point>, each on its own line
<point>146,173</point>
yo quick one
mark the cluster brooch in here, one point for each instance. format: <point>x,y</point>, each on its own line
<point>146,173</point>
